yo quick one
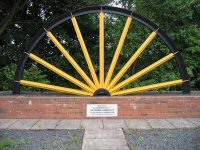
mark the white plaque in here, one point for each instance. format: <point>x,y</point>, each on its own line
<point>102,110</point>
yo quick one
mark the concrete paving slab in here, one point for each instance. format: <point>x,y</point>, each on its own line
<point>160,123</point>
<point>137,124</point>
<point>181,123</point>
<point>104,134</point>
<point>92,124</point>
<point>104,144</point>
<point>24,124</point>
<point>69,124</point>
<point>196,121</point>
<point>5,123</point>
<point>114,123</point>
<point>46,124</point>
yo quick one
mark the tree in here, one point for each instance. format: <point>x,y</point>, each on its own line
<point>180,19</point>
<point>21,19</point>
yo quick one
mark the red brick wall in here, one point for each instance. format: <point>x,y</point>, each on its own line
<point>75,107</point>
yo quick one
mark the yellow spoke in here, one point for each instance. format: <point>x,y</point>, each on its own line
<point>132,59</point>
<point>148,87</point>
<point>71,60</point>
<point>85,51</point>
<point>142,72</point>
<point>101,45</point>
<point>60,72</point>
<point>118,50</point>
<point>55,88</point>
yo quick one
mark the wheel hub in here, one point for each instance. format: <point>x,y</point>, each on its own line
<point>101,92</point>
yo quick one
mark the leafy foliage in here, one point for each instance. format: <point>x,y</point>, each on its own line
<point>180,19</point>
<point>31,74</point>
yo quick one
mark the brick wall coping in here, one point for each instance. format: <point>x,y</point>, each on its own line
<point>57,95</point>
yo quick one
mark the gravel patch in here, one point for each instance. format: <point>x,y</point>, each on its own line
<point>163,139</point>
<point>44,139</point>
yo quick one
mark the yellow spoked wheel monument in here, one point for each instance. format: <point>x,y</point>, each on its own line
<point>101,84</point>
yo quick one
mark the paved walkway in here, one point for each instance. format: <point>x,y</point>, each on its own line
<point>100,133</point>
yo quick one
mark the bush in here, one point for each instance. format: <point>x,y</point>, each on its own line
<point>32,74</point>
